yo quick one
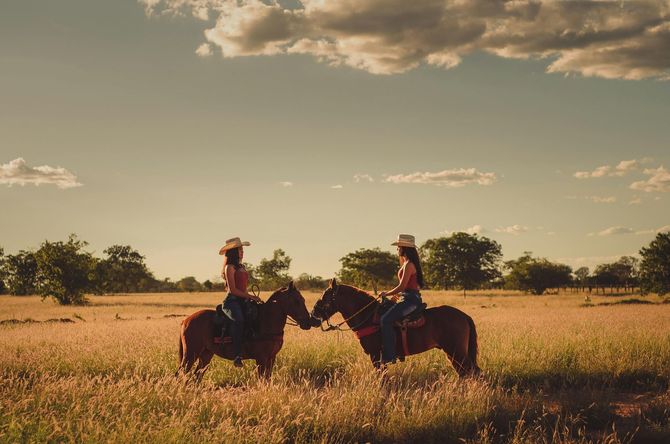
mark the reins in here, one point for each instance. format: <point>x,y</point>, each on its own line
<point>256,291</point>
<point>338,326</point>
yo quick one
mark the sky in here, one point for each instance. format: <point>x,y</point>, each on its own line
<point>323,127</point>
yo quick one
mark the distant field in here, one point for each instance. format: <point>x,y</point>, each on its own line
<point>555,371</point>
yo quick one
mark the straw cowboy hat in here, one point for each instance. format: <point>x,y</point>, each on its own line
<point>233,243</point>
<point>405,240</point>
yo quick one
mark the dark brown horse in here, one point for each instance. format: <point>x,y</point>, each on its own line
<point>196,344</point>
<point>446,328</point>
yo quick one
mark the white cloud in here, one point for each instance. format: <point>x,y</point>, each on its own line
<point>595,199</point>
<point>598,172</point>
<point>599,199</point>
<point>204,50</point>
<point>455,178</point>
<point>337,187</point>
<point>286,184</point>
<point>635,201</point>
<point>609,39</point>
<point>621,169</point>
<point>363,178</point>
<point>611,231</point>
<point>624,167</point>
<point>514,230</point>
<point>658,182</point>
<point>17,172</point>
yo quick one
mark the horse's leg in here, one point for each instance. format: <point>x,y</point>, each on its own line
<point>459,359</point>
<point>265,366</point>
<point>203,361</point>
<point>376,359</point>
<point>192,352</point>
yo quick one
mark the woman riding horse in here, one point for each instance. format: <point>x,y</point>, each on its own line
<point>411,279</point>
<point>236,277</point>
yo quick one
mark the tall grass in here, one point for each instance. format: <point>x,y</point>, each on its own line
<point>554,372</point>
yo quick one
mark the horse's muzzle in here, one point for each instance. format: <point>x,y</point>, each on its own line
<point>305,324</point>
<point>314,321</point>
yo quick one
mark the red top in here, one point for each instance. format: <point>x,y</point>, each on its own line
<point>241,279</point>
<point>412,283</point>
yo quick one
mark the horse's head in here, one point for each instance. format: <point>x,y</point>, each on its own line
<point>294,306</point>
<point>325,307</point>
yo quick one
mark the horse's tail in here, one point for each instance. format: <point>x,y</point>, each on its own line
<point>473,348</point>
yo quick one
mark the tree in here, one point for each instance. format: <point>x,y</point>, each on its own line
<point>208,285</point>
<point>536,274</point>
<point>627,269</point>
<point>63,270</point>
<point>189,284</point>
<point>655,266</point>
<point>21,273</point>
<point>582,276</point>
<point>605,275</point>
<point>308,282</point>
<point>368,267</point>
<point>273,273</point>
<point>461,260</point>
<point>3,274</point>
<point>123,271</point>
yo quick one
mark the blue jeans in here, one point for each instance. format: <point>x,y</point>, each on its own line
<point>233,309</point>
<point>411,300</point>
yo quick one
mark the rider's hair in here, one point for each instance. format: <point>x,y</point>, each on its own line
<point>233,257</point>
<point>413,256</point>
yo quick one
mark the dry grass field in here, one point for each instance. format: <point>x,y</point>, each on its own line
<point>555,371</point>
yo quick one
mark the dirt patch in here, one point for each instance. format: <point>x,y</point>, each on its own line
<point>33,321</point>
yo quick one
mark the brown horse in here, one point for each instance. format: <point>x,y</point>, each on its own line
<point>446,328</point>
<point>197,339</point>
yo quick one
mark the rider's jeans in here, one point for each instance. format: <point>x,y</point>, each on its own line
<point>232,307</point>
<point>411,300</point>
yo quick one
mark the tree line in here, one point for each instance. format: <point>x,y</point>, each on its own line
<point>66,272</point>
<point>465,261</point>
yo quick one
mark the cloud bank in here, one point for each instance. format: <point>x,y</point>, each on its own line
<point>455,178</point>
<point>624,167</point>
<point>17,172</point>
<point>658,182</point>
<point>593,38</point>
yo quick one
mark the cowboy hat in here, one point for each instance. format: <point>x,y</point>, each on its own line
<point>405,240</point>
<point>233,243</point>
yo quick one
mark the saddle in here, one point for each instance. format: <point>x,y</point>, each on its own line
<point>415,319</point>
<point>222,323</point>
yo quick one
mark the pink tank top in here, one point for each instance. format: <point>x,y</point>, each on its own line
<point>412,284</point>
<point>241,279</point>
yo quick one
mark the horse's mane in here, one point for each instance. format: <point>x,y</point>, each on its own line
<point>276,294</point>
<point>358,292</point>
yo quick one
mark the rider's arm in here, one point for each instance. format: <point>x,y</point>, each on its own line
<point>230,279</point>
<point>405,273</point>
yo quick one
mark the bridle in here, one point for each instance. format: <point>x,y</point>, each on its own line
<point>327,308</point>
<point>256,291</point>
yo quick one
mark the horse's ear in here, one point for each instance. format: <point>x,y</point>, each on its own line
<point>333,283</point>
<point>291,286</point>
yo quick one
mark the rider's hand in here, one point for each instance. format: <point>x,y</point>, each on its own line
<point>395,297</point>
<point>257,299</point>
<point>382,294</point>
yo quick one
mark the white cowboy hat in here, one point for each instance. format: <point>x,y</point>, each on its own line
<point>405,240</point>
<point>233,243</point>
